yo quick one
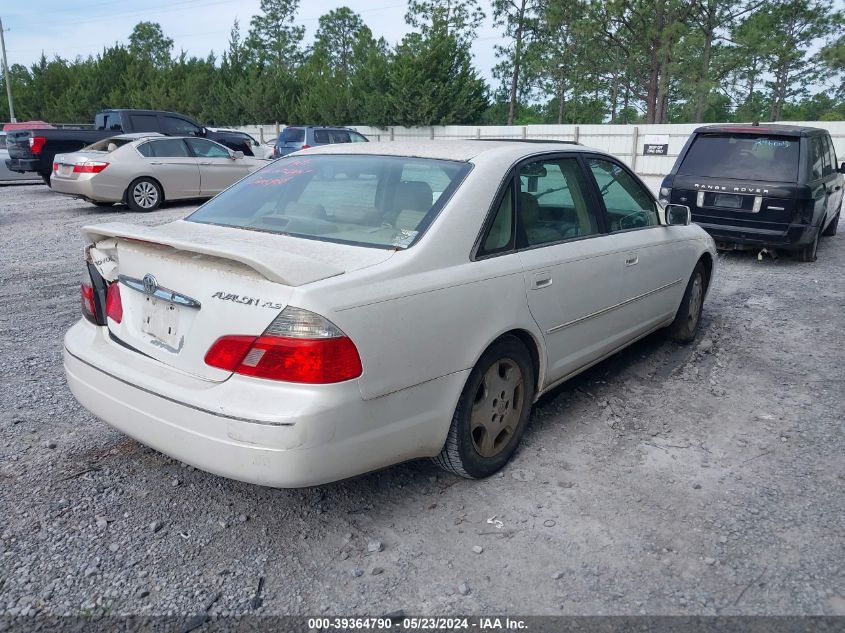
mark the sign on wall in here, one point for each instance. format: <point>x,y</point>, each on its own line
<point>655,144</point>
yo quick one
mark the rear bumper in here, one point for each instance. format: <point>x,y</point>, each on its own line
<point>88,189</point>
<point>23,165</point>
<point>272,434</point>
<point>796,235</point>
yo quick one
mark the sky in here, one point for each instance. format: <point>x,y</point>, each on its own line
<point>71,28</point>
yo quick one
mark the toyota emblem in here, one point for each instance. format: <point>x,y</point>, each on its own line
<point>150,284</point>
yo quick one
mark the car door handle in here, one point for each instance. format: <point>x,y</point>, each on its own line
<point>206,162</point>
<point>632,260</point>
<point>542,280</point>
<point>156,162</point>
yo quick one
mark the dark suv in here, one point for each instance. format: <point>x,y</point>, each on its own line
<point>754,186</point>
<point>296,138</point>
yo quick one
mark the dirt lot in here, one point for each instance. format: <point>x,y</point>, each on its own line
<point>668,480</point>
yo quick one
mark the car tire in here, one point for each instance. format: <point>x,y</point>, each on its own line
<point>486,427</point>
<point>809,252</point>
<point>688,316</point>
<point>831,229</point>
<point>144,195</point>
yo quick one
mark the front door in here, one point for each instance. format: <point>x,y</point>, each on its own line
<point>571,272</point>
<point>651,259</point>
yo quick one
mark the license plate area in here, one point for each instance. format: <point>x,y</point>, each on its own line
<point>160,319</point>
<point>728,201</point>
<point>65,170</point>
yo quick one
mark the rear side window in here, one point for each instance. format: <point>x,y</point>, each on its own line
<point>832,154</point>
<point>2,141</point>
<point>168,148</point>
<point>292,135</point>
<point>144,122</point>
<point>743,157</point>
<point>331,136</point>
<point>829,157</point>
<point>500,235</point>
<point>178,127</point>
<point>818,155</point>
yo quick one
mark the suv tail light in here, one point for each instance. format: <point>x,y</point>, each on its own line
<point>114,306</point>
<point>87,296</point>
<point>36,143</point>
<point>305,146</point>
<point>665,195</point>
<point>298,346</point>
<point>90,167</point>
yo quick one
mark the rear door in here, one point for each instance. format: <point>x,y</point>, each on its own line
<point>826,171</point>
<point>218,169</point>
<point>171,163</point>
<point>571,268</point>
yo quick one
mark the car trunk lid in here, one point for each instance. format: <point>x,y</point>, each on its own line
<point>184,285</point>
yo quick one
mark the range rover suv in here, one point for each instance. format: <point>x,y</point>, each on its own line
<point>755,186</point>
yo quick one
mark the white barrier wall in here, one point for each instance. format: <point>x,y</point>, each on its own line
<point>623,141</point>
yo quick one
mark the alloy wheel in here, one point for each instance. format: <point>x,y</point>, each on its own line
<point>145,194</point>
<point>497,407</point>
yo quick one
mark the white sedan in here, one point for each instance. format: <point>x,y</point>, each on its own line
<point>359,305</point>
<point>144,169</point>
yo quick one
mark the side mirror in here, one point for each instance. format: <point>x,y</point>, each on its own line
<point>678,214</point>
<point>203,131</point>
<point>236,155</point>
<point>842,168</point>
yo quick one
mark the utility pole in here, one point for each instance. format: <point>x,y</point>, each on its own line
<point>6,78</point>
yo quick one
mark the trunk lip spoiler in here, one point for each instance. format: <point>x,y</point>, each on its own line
<point>259,256</point>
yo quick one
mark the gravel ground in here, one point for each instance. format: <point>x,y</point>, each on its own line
<point>705,479</point>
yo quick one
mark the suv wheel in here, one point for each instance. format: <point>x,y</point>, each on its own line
<point>808,253</point>
<point>830,231</point>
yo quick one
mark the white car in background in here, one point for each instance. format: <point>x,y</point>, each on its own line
<point>144,169</point>
<point>360,305</point>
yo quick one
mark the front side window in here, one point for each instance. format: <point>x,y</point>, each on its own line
<point>552,202</point>
<point>292,135</point>
<point>381,201</point>
<point>628,204</point>
<point>207,149</point>
<point>178,127</point>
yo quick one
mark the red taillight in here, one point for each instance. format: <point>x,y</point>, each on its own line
<point>36,143</point>
<point>88,310</point>
<point>114,306</point>
<point>305,146</point>
<point>55,167</point>
<point>303,360</point>
<point>90,167</point>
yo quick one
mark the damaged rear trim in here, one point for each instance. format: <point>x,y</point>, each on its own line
<point>158,292</point>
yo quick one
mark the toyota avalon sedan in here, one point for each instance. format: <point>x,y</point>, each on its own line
<point>143,170</point>
<point>359,305</point>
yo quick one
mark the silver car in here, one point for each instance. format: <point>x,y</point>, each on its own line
<point>143,170</point>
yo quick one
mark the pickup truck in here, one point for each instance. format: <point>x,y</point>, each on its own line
<point>34,150</point>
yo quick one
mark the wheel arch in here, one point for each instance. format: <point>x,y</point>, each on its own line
<point>148,177</point>
<point>707,260</point>
<point>529,340</point>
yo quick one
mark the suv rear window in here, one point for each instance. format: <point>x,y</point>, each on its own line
<point>292,135</point>
<point>743,157</point>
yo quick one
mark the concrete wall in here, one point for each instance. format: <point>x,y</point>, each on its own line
<point>623,141</point>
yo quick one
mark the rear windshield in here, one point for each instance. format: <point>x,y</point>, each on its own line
<point>743,157</point>
<point>381,201</point>
<point>109,144</point>
<point>292,135</point>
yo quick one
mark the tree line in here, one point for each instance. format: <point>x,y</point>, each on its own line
<point>558,61</point>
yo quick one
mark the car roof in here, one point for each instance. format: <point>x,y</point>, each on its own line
<point>459,150</point>
<point>763,128</point>
<point>318,127</point>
